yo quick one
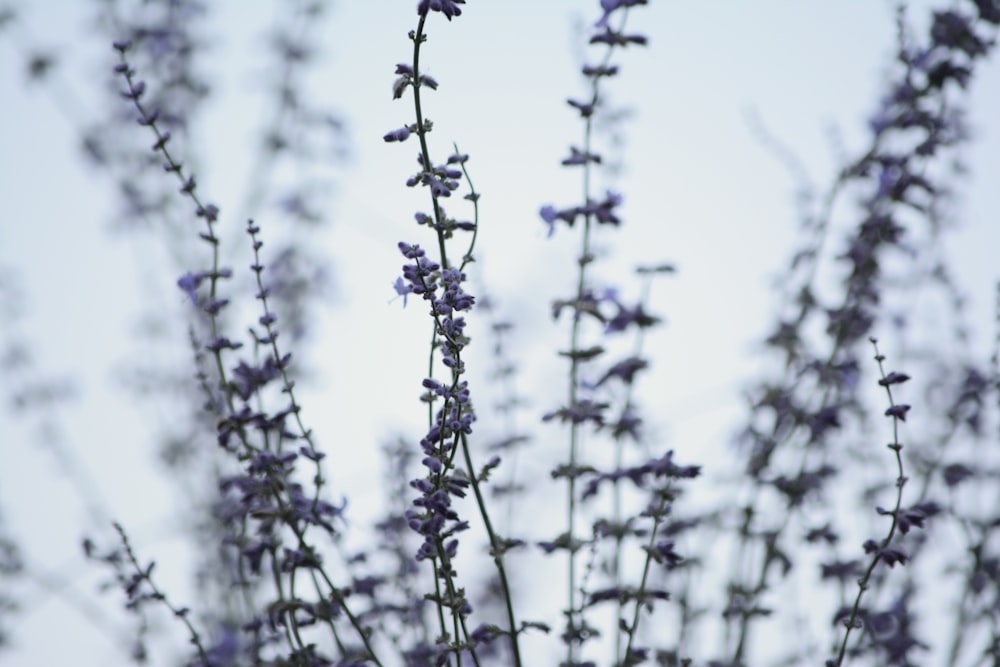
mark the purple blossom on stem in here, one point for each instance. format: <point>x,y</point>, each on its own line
<point>189,283</point>
<point>449,8</point>
<point>402,134</point>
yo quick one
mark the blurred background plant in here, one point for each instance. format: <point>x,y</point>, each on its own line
<point>256,102</point>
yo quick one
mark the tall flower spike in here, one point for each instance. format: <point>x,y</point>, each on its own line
<point>441,283</point>
<point>583,409</point>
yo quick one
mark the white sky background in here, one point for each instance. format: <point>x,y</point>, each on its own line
<point>700,191</point>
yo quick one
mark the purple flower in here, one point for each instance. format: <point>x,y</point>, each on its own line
<point>578,157</point>
<point>898,411</point>
<point>603,210</point>
<point>136,91</point>
<point>894,378</point>
<point>627,317</point>
<point>610,6</point>
<point>956,473</point>
<point>912,517</point>
<point>889,555</point>
<point>222,343</point>
<point>663,553</point>
<point>210,212</point>
<point>449,8</point>
<point>402,289</point>
<point>614,38</point>
<point>624,370</point>
<point>586,109</point>
<point>842,570</point>
<point>550,214</point>
<point>247,379</point>
<point>189,285</point>
<point>402,134</point>
<point>953,30</point>
<point>582,411</point>
<point>484,633</point>
<point>597,71</point>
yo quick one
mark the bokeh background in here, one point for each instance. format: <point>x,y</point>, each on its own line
<point>720,86</point>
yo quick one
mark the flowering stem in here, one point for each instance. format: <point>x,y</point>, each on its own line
<point>209,212</point>
<point>418,39</point>
<point>897,412</point>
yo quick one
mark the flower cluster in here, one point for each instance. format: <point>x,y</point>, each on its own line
<point>441,284</point>
<point>263,512</point>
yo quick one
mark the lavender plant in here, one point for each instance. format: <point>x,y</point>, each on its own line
<point>918,122</point>
<point>585,406</point>
<point>171,46</point>
<point>650,574</point>
<point>440,283</point>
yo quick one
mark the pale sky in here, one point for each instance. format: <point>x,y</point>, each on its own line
<point>700,191</point>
